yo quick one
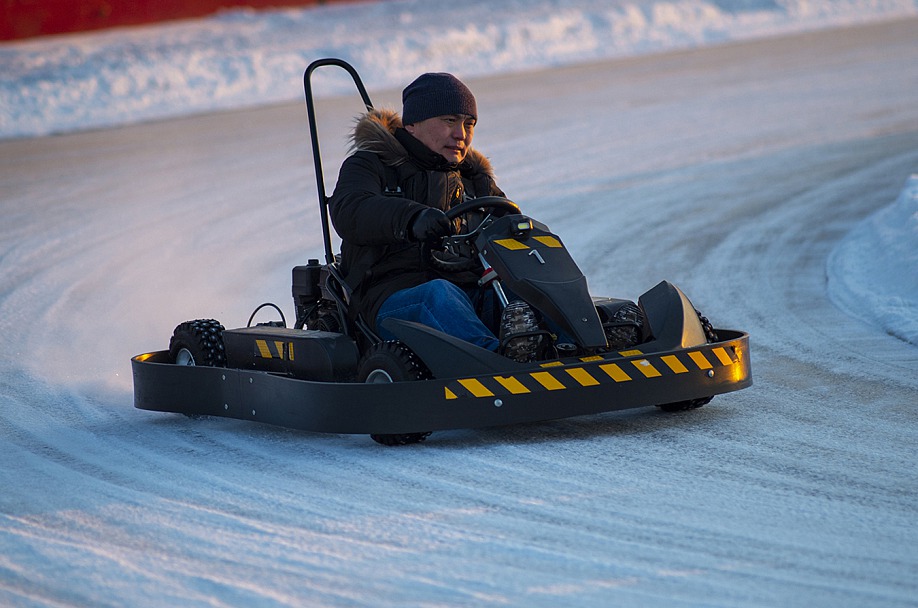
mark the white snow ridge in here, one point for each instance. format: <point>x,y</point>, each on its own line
<point>742,149</point>
<point>873,272</point>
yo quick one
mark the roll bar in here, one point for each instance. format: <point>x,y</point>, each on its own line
<point>313,132</point>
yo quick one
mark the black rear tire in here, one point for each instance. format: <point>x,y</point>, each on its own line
<point>392,362</point>
<point>624,329</point>
<point>198,342</point>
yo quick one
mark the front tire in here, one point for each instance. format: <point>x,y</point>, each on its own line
<point>694,404</point>
<point>392,362</point>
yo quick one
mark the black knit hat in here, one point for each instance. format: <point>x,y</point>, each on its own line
<point>436,94</point>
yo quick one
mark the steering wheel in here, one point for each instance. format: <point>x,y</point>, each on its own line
<point>456,253</point>
<point>497,203</point>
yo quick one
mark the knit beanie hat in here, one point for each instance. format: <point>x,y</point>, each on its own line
<point>436,94</point>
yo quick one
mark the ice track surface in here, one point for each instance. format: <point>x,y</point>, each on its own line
<point>731,171</point>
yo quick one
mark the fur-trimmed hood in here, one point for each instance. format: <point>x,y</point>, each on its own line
<point>388,179</point>
<point>375,132</point>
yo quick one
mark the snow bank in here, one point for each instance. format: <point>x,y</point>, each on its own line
<point>245,58</point>
<point>873,271</point>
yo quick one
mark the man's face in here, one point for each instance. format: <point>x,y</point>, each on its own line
<point>449,135</point>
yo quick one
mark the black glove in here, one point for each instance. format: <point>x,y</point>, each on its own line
<point>430,225</point>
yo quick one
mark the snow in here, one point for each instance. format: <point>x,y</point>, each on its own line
<point>244,58</point>
<point>761,155</point>
<point>873,272</point>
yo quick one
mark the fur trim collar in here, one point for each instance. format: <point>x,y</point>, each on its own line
<point>375,132</point>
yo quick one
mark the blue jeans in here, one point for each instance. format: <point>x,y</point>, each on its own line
<point>441,305</point>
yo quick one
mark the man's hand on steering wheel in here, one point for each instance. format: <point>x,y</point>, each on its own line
<point>430,225</point>
<point>459,255</point>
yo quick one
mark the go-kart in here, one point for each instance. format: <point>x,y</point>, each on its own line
<point>330,372</point>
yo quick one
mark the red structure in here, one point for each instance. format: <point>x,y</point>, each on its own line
<point>28,18</point>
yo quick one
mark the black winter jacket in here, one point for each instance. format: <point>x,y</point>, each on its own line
<point>389,179</point>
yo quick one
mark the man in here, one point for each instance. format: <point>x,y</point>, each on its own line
<point>391,198</point>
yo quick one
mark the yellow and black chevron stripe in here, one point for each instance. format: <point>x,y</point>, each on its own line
<point>594,371</point>
<point>274,349</point>
<point>514,244</point>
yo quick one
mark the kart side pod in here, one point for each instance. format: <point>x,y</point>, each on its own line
<point>672,319</point>
<point>304,354</point>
